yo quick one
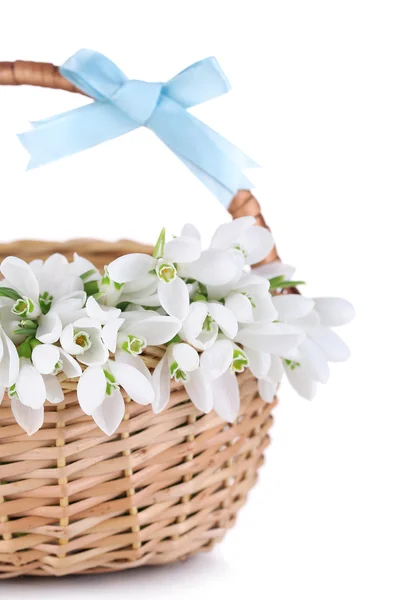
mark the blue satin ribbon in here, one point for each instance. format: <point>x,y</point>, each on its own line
<point>122,105</point>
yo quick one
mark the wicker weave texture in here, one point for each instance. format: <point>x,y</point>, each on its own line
<point>162,488</point>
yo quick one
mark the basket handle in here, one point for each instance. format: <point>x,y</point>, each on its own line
<point>47,75</point>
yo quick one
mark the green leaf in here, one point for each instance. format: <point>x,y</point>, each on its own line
<point>273,283</point>
<point>9,293</point>
<point>123,305</point>
<point>160,245</point>
<point>25,331</point>
<point>91,287</point>
<point>175,340</point>
<point>88,274</point>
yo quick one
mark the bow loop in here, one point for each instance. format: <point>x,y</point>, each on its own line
<point>137,99</point>
<point>122,105</point>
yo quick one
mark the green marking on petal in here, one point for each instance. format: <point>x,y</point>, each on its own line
<point>240,249</point>
<point>134,345</point>
<point>23,307</point>
<point>208,322</point>
<point>112,384</point>
<point>45,301</point>
<point>58,367</point>
<point>292,364</point>
<point>12,392</point>
<point>82,339</point>
<point>160,245</point>
<point>240,361</point>
<point>166,271</point>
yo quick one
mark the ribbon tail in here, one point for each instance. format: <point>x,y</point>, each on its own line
<point>190,140</point>
<point>55,138</point>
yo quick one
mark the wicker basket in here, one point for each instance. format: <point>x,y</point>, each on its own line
<point>162,488</point>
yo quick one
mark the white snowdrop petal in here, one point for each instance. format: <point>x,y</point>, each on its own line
<point>226,396</point>
<point>186,357</point>
<point>259,362</point>
<point>314,360</point>
<point>275,372</point>
<point>193,324</point>
<point>28,418</point>
<point>45,358</point>
<point>258,243</point>
<point>87,323</point>
<point>162,385</point>
<point>190,231</point>
<point>9,363</point>
<point>214,267</point>
<point>91,389</point>
<point>134,361</point>
<point>96,355</point>
<point>136,385</point>
<point>217,359</point>
<point>224,318</point>
<point>183,249</point>
<point>130,267</point>
<point>333,347</point>
<point>109,333</point>
<point>302,382</point>
<point>49,329</point>
<point>156,330</point>
<point>30,386</point>
<point>199,390</point>
<point>292,306</point>
<point>275,269</point>
<point>174,298</point>
<point>229,234</point>
<point>54,392</point>
<point>240,306</point>
<point>274,338</point>
<point>21,277</point>
<point>71,367</point>
<point>334,312</point>
<point>103,314</point>
<point>110,414</point>
<point>267,389</point>
<point>81,265</point>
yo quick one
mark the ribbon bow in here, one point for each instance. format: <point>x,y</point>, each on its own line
<point>122,105</point>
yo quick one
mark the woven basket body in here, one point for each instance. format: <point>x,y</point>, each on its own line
<point>162,488</point>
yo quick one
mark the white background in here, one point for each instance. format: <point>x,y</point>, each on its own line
<point>316,102</point>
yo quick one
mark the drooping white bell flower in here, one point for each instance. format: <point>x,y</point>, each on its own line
<point>252,242</point>
<point>308,363</point>
<point>158,273</point>
<point>82,339</point>
<point>268,385</point>
<point>139,329</point>
<point>210,383</point>
<point>99,392</point>
<point>204,321</point>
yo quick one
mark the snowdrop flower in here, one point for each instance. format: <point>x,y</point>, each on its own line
<point>308,363</point>
<point>205,320</point>
<point>210,382</point>
<point>82,338</point>
<point>139,329</point>
<point>37,382</point>
<point>251,242</point>
<point>99,393</point>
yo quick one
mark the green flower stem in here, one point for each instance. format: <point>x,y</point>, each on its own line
<point>9,293</point>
